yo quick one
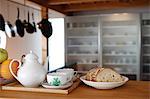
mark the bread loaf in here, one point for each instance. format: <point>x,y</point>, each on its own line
<point>103,75</point>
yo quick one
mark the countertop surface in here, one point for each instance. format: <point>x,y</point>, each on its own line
<point>131,90</point>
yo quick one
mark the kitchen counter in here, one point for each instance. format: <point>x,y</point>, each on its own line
<point>131,90</point>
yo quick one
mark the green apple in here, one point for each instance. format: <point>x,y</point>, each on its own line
<point>3,55</point>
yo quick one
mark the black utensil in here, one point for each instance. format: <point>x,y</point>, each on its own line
<point>19,25</point>
<point>34,25</point>
<point>2,23</point>
<point>46,28</point>
<point>29,27</point>
<point>11,28</point>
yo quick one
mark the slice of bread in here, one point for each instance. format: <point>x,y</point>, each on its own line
<point>108,75</point>
<point>103,75</point>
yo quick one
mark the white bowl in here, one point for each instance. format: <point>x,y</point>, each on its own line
<point>104,85</point>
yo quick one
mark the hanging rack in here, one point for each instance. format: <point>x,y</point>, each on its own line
<point>24,5</point>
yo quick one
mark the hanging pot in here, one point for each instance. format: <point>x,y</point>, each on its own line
<point>46,27</point>
<point>28,26</point>
<point>19,25</point>
<point>2,23</point>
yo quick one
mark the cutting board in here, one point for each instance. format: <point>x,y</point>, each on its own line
<point>18,87</point>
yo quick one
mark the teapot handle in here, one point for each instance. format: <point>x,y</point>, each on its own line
<point>10,67</point>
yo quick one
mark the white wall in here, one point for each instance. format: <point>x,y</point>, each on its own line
<point>55,14</point>
<point>18,46</point>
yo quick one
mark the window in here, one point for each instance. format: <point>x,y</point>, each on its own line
<point>56,44</point>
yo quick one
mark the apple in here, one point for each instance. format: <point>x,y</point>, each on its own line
<point>3,55</point>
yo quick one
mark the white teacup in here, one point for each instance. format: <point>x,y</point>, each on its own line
<point>57,79</point>
<point>68,71</point>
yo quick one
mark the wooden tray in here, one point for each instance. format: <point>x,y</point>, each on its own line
<point>18,87</point>
<point>4,81</point>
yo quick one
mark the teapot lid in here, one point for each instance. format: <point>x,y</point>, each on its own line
<point>31,56</point>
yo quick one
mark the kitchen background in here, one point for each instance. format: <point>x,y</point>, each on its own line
<point>119,39</point>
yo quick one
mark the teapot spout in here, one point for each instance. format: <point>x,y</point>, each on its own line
<point>46,64</point>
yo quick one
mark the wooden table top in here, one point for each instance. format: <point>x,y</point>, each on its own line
<point>131,90</point>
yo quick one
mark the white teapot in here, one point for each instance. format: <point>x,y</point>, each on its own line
<point>31,73</point>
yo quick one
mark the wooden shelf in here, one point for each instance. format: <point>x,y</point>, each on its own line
<point>77,54</point>
<point>146,35</point>
<point>146,64</point>
<point>82,37</point>
<point>82,45</point>
<point>146,74</point>
<point>87,63</point>
<point>120,55</point>
<point>122,64</point>
<point>147,26</point>
<point>124,26</point>
<point>113,36</point>
<point>146,54</point>
<point>82,28</point>
<point>119,45</point>
<point>146,45</point>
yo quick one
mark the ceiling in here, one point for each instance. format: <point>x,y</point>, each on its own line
<point>71,6</point>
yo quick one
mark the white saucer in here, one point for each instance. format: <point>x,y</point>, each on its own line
<point>46,85</point>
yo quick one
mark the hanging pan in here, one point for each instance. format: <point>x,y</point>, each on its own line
<point>34,25</point>
<point>19,25</point>
<point>45,27</point>
<point>29,27</point>
<point>2,23</point>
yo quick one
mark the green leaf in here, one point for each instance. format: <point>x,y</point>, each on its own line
<point>56,82</point>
